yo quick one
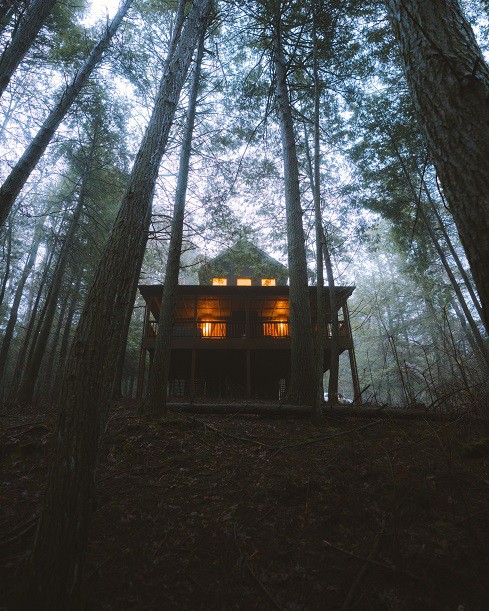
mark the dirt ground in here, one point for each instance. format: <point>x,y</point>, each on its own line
<point>246,512</point>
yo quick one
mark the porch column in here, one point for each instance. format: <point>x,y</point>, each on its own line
<point>195,334</point>
<point>142,356</point>
<point>247,318</point>
<point>248,374</point>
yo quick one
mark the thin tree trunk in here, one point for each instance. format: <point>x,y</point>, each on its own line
<point>21,358</point>
<point>453,252</point>
<point>59,548</point>
<point>8,257</point>
<point>14,311</point>
<point>29,27</point>
<point>158,380</point>
<point>23,168</point>
<point>334,367</point>
<point>463,304</point>
<point>314,179</point>
<point>44,388</point>
<point>303,377</point>
<point>41,338</point>
<point>65,341</point>
<point>449,82</point>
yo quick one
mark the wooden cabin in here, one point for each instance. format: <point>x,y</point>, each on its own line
<point>231,335</point>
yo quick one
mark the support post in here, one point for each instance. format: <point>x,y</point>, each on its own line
<point>353,360</point>
<point>195,316</point>
<point>247,319</point>
<point>142,356</point>
<point>192,375</point>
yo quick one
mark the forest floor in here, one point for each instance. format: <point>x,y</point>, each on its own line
<point>247,512</point>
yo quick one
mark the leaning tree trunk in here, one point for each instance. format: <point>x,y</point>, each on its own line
<point>59,548</point>
<point>14,310</point>
<point>20,173</point>
<point>302,375</point>
<point>160,367</point>
<point>29,27</point>
<point>449,82</point>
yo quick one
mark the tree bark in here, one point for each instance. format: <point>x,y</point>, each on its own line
<point>14,310</point>
<point>302,375</point>
<point>160,368</point>
<point>449,82</point>
<point>29,27</point>
<point>20,173</point>
<point>59,548</point>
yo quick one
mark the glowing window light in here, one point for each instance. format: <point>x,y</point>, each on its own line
<point>243,282</point>
<point>268,282</point>
<point>276,329</point>
<point>219,281</point>
<point>213,329</point>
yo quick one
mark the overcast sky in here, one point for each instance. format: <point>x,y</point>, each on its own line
<point>100,8</point>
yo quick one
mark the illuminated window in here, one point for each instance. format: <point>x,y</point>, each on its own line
<point>276,329</point>
<point>243,281</point>
<point>268,282</point>
<point>219,281</point>
<point>213,329</point>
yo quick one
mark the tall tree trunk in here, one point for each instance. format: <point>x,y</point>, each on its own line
<point>334,367</point>
<point>59,548</point>
<point>314,179</point>
<point>14,310</point>
<point>8,257</point>
<point>449,82</point>
<point>175,29</point>
<point>160,368</point>
<point>302,378</point>
<point>29,27</point>
<point>41,338</point>
<point>20,173</point>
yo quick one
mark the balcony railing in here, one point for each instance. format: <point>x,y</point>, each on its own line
<point>232,329</point>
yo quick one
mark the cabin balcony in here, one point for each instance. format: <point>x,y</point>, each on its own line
<point>232,334</point>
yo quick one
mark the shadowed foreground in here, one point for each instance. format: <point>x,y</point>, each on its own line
<point>250,512</point>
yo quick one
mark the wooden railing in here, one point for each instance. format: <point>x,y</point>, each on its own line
<point>232,329</point>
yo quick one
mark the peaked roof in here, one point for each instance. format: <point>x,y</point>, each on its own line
<point>245,245</point>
